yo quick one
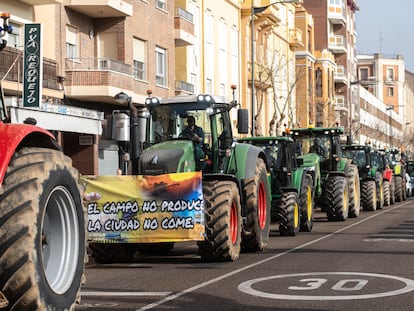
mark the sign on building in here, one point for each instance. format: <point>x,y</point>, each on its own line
<point>32,66</point>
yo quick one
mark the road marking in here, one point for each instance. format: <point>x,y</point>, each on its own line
<point>122,294</point>
<point>258,263</point>
<point>246,287</point>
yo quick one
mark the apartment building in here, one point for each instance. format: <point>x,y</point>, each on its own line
<point>93,51</point>
<point>72,126</point>
<point>335,25</point>
<point>386,117</point>
<point>269,64</point>
<point>306,104</point>
<point>212,63</point>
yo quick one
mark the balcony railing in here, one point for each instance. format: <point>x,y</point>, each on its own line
<point>183,27</point>
<point>182,86</point>
<point>337,43</point>
<point>295,38</point>
<point>100,64</point>
<point>336,15</point>
<point>11,68</point>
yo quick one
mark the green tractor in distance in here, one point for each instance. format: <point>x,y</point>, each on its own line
<point>371,167</point>
<point>336,179</point>
<point>291,185</point>
<point>183,188</point>
<point>395,161</point>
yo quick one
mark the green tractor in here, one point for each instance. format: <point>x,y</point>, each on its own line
<point>229,213</point>
<point>292,200</point>
<point>374,189</point>
<point>395,160</point>
<point>336,179</point>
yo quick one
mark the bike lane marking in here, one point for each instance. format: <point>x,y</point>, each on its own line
<point>316,283</point>
<point>258,263</point>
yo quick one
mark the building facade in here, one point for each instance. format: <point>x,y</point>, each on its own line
<point>335,24</point>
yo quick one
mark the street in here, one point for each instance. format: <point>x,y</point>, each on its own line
<point>363,263</point>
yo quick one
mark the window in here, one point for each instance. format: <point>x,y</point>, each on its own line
<point>363,74</point>
<point>318,82</point>
<point>161,66</point>
<point>71,42</point>
<point>161,4</point>
<point>390,74</point>
<point>390,91</point>
<point>139,59</point>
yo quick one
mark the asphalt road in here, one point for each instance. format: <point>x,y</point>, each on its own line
<point>364,263</point>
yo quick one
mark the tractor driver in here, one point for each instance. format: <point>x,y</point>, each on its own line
<point>196,134</point>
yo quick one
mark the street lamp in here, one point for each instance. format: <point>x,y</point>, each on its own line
<point>255,10</point>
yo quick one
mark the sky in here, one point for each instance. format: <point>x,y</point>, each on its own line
<point>386,27</point>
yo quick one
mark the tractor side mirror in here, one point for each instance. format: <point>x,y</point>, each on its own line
<point>243,121</point>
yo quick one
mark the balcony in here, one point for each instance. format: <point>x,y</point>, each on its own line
<point>336,15</point>
<point>183,28</point>
<point>88,77</point>
<point>337,44</point>
<point>295,38</point>
<point>182,87</point>
<point>40,2</point>
<point>340,75</point>
<point>11,72</point>
<point>101,8</point>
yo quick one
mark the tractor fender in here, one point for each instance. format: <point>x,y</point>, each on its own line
<point>244,165</point>
<point>15,136</point>
<point>288,189</point>
<point>336,173</point>
<point>388,175</point>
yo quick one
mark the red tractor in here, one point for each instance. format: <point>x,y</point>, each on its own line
<point>42,220</point>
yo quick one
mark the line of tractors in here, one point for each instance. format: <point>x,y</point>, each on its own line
<point>226,192</point>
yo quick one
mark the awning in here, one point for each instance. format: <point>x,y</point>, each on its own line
<point>61,118</point>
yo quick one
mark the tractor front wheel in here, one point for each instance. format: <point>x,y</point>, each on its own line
<point>369,195</point>
<point>306,205</point>
<point>223,221</point>
<point>336,198</point>
<point>255,235</point>
<point>288,214</point>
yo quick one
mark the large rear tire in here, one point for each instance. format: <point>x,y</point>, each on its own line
<point>223,221</point>
<point>306,206</point>
<point>288,214</point>
<point>336,198</point>
<point>42,232</point>
<point>255,235</point>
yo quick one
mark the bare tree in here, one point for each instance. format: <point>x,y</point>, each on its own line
<point>268,77</point>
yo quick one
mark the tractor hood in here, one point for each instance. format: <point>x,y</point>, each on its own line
<point>167,157</point>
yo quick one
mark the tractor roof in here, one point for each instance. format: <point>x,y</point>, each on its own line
<point>318,131</point>
<point>266,139</point>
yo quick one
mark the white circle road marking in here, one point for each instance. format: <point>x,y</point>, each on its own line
<point>258,263</point>
<point>246,287</point>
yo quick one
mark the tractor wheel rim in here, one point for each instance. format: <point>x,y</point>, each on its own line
<point>261,205</point>
<point>60,240</point>
<point>234,223</point>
